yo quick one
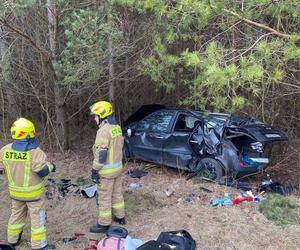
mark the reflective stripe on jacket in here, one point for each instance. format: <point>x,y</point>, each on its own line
<point>109,137</point>
<point>21,169</point>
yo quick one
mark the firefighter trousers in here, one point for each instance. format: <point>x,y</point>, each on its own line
<point>16,223</point>
<point>111,201</point>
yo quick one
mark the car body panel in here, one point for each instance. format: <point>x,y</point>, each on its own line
<point>148,146</point>
<point>149,136</point>
<point>176,150</point>
<point>180,138</point>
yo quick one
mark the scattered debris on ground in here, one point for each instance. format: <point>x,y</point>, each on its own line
<point>236,184</point>
<point>277,187</point>
<point>60,188</point>
<point>135,186</point>
<point>244,196</point>
<point>169,192</point>
<point>137,173</point>
<point>154,207</point>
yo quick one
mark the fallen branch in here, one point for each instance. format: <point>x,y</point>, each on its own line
<point>259,25</point>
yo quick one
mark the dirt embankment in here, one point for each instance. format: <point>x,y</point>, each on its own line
<point>150,211</point>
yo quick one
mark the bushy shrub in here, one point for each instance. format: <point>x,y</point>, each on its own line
<point>283,210</point>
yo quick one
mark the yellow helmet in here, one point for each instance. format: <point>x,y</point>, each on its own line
<point>103,109</point>
<point>22,129</point>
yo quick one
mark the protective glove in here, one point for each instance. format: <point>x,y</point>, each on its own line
<point>54,167</point>
<point>95,176</point>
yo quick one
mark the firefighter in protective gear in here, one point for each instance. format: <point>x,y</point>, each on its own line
<point>25,165</point>
<point>108,167</point>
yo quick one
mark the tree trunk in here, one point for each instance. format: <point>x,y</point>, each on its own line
<point>126,81</point>
<point>7,85</point>
<point>111,68</point>
<point>59,92</point>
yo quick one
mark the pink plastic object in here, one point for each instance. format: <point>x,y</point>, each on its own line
<point>111,243</point>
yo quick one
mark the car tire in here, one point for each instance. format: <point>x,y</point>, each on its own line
<point>213,168</point>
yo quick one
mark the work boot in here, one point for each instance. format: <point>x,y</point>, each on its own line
<point>121,221</point>
<point>18,241</point>
<point>97,229</point>
<point>48,247</point>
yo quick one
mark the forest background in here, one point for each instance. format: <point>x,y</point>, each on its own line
<point>58,57</point>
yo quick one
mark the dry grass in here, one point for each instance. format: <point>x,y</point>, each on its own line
<point>285,162</point>
<point>150,211</point>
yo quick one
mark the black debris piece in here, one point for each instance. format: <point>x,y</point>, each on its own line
<point>66,240</point>
<point>278,188</point>
<point>60,187</point>
<point>189,198</point>
<point>206,190</point>
<point>237,184</point>
<point>137,173</point>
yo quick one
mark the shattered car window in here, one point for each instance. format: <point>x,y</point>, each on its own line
<point>156,122</point>
<point>190,122</point>
<point>209,125</point>
<point>212,123</point>
<point>186,123</point>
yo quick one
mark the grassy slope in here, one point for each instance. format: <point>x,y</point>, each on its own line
<point>149,212</point>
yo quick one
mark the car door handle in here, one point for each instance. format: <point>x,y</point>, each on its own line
<point>159,137</point>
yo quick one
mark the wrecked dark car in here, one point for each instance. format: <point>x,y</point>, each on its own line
<point>218,143</point>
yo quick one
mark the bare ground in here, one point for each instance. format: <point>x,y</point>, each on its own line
<point>150,211</point>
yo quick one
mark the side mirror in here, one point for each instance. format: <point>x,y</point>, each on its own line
<point>130,132</point>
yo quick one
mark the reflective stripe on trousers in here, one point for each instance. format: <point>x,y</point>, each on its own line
<point>118,205</point>
<point>105,213</point>
<point>38,234</point>
<point>15,229</point>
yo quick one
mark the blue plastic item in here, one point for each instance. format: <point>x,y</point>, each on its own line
<point>246,160</point>
<point>225,201</point>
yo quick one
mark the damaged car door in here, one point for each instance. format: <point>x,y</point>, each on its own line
<point>177,151</point>
<point>149,134</point>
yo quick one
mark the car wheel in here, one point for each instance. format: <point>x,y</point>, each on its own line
<point>212,169</point>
